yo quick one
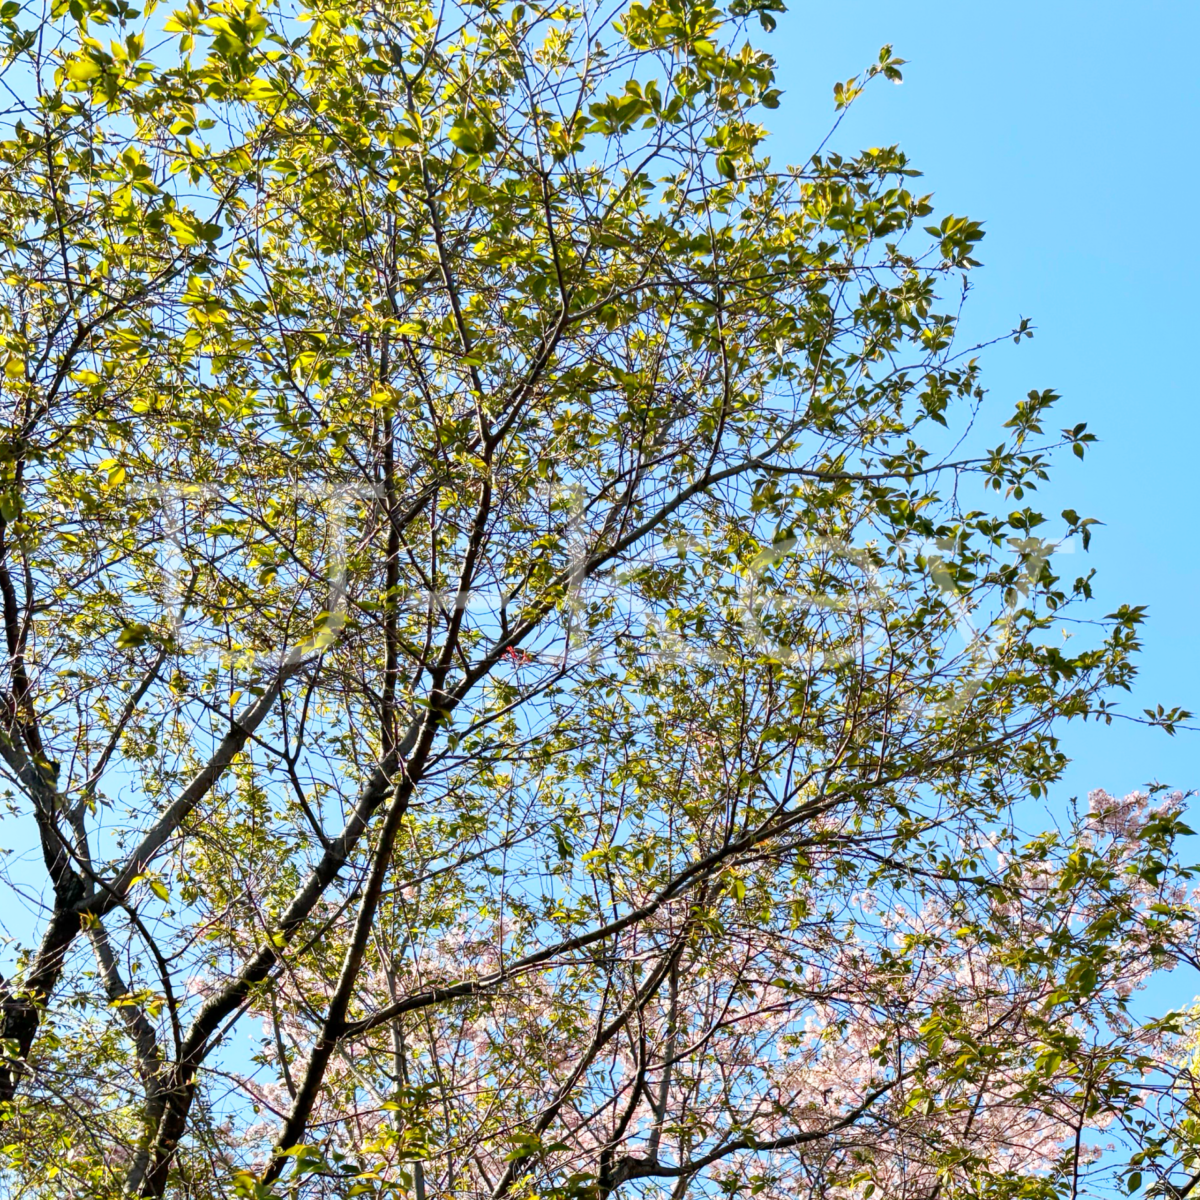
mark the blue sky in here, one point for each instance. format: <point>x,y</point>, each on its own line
<point>1069,129</point>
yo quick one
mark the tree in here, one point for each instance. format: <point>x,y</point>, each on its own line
<point>494,604</point>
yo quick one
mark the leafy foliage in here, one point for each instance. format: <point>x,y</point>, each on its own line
<point>492,603</point>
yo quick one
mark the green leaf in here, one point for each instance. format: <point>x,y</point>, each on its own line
<point>133,635</point>
<point>472,136</point>
<point>83,69</point>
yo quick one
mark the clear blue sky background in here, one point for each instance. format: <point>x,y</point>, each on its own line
<point>1070,129</point>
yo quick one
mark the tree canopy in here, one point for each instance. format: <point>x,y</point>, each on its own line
<point>526,673</point>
